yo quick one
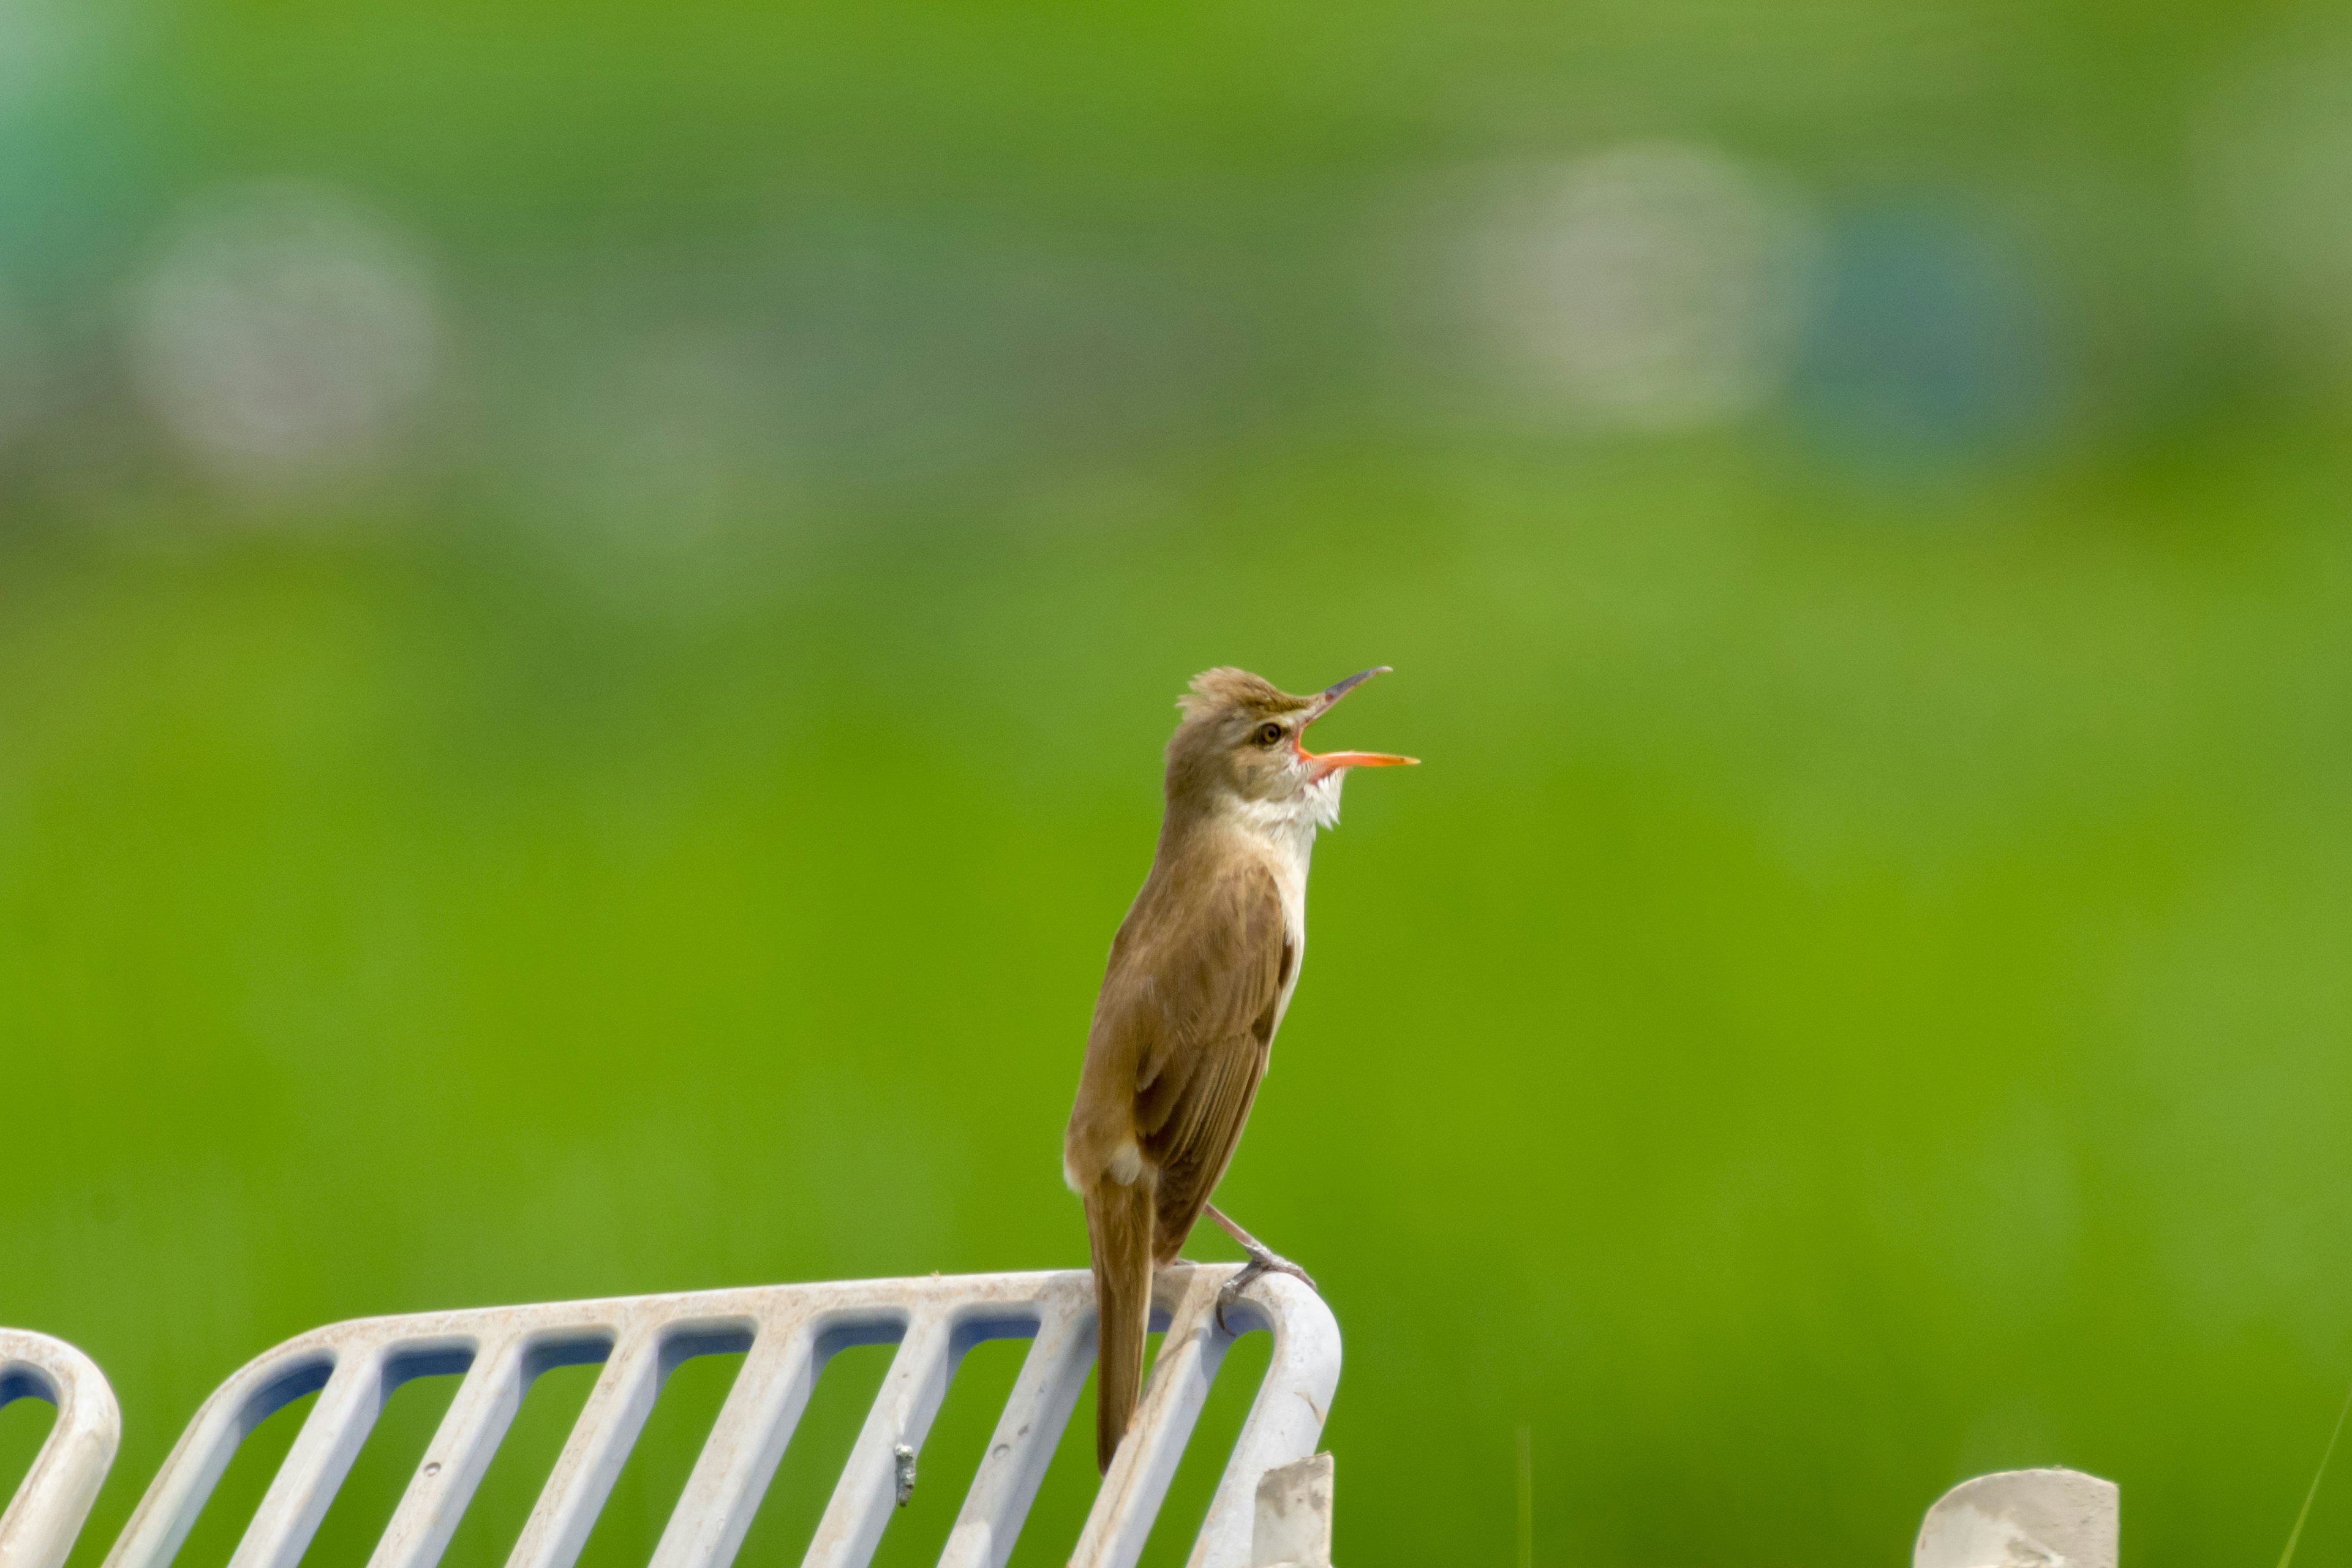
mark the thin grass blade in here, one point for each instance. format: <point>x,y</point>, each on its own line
<point>2287,1556</point>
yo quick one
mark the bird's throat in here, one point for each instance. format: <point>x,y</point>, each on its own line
<point>1288,825</point>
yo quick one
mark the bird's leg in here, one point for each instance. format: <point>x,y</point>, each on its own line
<point>1263,1260</point>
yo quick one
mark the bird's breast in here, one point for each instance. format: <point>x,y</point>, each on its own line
<point>1286,855</point>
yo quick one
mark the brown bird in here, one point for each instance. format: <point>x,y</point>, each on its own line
<point>1200,975</point>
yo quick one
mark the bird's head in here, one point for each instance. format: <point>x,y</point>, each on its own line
<point>1242,743</point>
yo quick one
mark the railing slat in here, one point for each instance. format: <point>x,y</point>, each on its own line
<point>1190,1353</point>
<point>306,1483</point>
<point>1052,1376</point>
<point>39,1527</point>
<point>739,1458</point>
<point>593,1455</point>
<point>1285,1420</point>
<point>169,1509</point>
<point>455,1461</point>
<point>902,1411</point>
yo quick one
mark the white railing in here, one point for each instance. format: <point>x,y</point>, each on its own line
<point>55,1496</point>
<point>1272,1507</point>
<point>786,1335</point>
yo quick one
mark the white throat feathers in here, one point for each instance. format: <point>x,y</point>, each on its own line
<point>1293,819</point>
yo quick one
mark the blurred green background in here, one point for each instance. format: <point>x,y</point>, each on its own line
<point>589,595</point>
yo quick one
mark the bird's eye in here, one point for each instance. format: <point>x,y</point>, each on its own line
<point>1269,735</point>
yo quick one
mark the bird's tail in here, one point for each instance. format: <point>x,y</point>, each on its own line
<point>1119,1225</point>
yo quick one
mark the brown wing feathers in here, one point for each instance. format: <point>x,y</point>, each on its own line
<point>1190,1112</point>
<point>1197,1006</point>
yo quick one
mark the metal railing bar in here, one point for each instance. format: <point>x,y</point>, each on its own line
<point>599,1444</point>
<point>901,1414</point>
<point>1285,1419</point>
<point>314,1468</point>
<point>1022,1446</point>
<point>1190,1353</point>
<point>168,1510</point>
<point>740,1457</point>
<point>38,1526</point>
<point>176,1497</point>
<point>443,1483</point>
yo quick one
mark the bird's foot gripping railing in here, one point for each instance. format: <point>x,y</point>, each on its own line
<point>786,1333</point>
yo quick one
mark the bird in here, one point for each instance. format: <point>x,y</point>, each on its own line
<point>1201,972</point>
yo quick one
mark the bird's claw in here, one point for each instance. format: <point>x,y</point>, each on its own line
<point>1261,1262</point>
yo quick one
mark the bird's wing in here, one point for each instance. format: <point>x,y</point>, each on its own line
<point>1217,982</point>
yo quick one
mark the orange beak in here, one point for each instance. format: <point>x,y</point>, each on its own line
<point>1326,763</point>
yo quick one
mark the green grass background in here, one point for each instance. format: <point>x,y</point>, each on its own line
<point>1856,997</point>
<point>1837,1011</point>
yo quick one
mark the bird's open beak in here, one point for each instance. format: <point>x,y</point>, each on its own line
<point>1326,763</point>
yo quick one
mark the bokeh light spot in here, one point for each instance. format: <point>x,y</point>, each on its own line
<point>1651,286</point>
<point>2273,159</point>
<point>285,334</point>
<point>1930,345</point>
